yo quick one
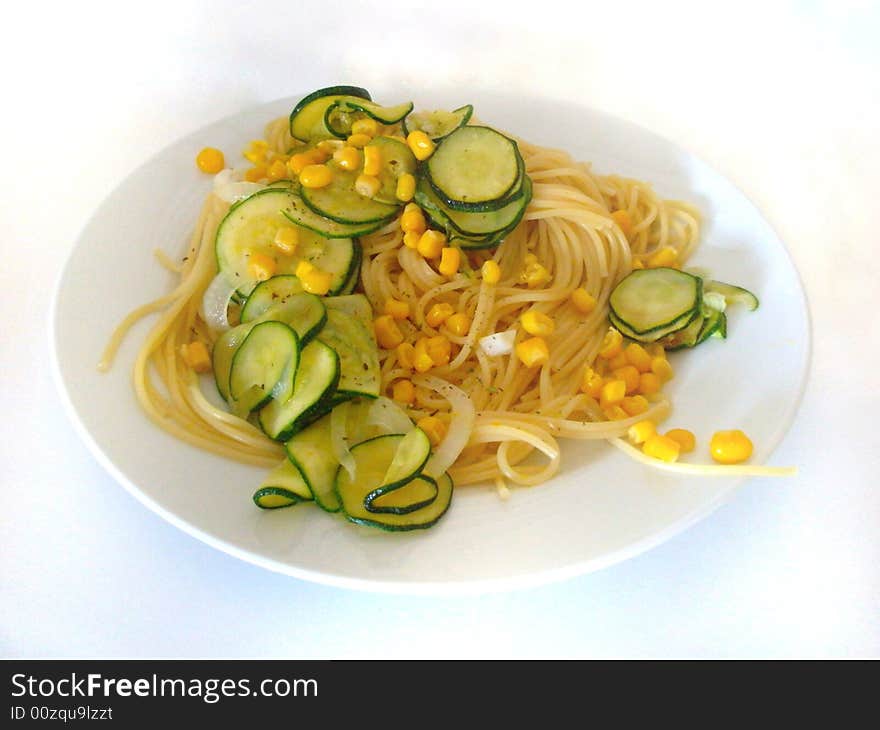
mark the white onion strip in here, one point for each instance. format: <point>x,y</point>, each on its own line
<point>339,438</point>
<point>215,303</point>
<point>230,188</point>
<point>499,343</point>
<point>460,426</point>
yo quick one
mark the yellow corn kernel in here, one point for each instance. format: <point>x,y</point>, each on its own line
<point>637,264</point>
<point>256,151</point>
<point>638,357</point>
<point>661,368</point>
<point>612,344</point>
<point>630,375</point>
<point>260,266</point>
<point>613,392</point>
<point>617,362</point>
<point>458,324</point>
<point>422,361</point>
<point>210,160</point>
<point>439,313</point>
<point>649,384</point>
<point>431,244</point>
<point>686,439</point>
<point>388,334</point>
<point>413,219</point>
<point>366,125</point>
<point>635,405</point>
<point>276,171</point>
<point>255,174</point>
<point>286,240</point>
<point>666,256</point>
<point>622,219</point>
<point>347,157</point>
<point>537,323</point>
<point>450,260</point>
<point>730,447</point>
<point>640,432</point>
<point>661,447</point>
<point>406,355</point>
<point>439,349</point>
<point>615,413</point>
<point>534,274</point>
<point>316,281</point>
<point>421,144</point>
<point>298,162</point>
<point>583,301</point>
<point>655,349</point>
<point>592,383</point>
<point>372,160</point>
<point>367,185</point>
<point>359,140</point>
<point>491,272</point>
<point>396,309</point>
<point>411,239</point>
<point>406,187</point>
<point>316,176</point>
<point>330,146</point>
<point>303,267</point>
<point>434,429</point>
<point>533,352</point>
<point>403,391</point>
<point>196,356</point>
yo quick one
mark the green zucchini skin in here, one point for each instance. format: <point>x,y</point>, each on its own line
<point>630,294</point>
<point>341,203</point>
<point>304,120</point>
<point>293,498</point>
<point>268,354</point>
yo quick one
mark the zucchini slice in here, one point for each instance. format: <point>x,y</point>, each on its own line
<point>649,300</point>
<point>354,305</point>
<point>340,202</point>
<point>316,378</point>
<point>439,123</point>
<point>732,294</point>
<point>658,334</point>
<point>299,213</point>
<point>339,116</point>
<point>359,370</point>
<point>397,159</point>
<point>714,325</point>
<point>475,169</point>
<point>307,117</point>
<point>284,486</point>
<point>264,363</point>
<point>311,452</point>
<point>249,228</point>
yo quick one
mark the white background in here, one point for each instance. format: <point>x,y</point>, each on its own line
<point>784,100</point>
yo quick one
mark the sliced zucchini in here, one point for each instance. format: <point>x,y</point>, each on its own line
<point>658,334</point>
<point>714,325</point>
<point>359,370</point>
<point>686,336</point>
<point>315,380</point>
<point>354,305</point>
<point>264,363</point>
<point>250,227</point>
<point>397,159</point>
<point>310,450</point>
<point>648,300</point>
<point>276,290</point>
<point>732,294</point>
<point>439,123</point>
<point>403,499</point>
<point>475,169</point>
<point>302,215</point>
<point>340,202</point>
<point>307,117</point>
<point>339,117</point>
<point>284,486</point>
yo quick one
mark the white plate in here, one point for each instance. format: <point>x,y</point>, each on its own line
<point>601,508</point>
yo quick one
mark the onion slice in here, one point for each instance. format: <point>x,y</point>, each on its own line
<point>339,438</point>
<point>215,303</point>
<point>386,417</point>
<point>499,343</point>
<point>460,427</point>
<point>230,187</point>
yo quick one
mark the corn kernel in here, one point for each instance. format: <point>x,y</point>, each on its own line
<point>439,313</point>
<point>630,375</point>
<point>592,383</point>
<point>347,157</point>
<point>662,448</point>
<point>196,356</point>
<point>406,355</point>
<point>450,260</point>
<point>367,185</point>
<point>276,171</point>
<point>372,160</point>
<point>422,361</point>
<point>666,256</point>
<point>434,429</point>
<point>649,384</point>
<point>313,280</point>
<point>655,349</point>
<point>612,344</point>
<point>210,160</point>
<point>388,334</point>
<point>413,219</point>
<point>330,146</point>
<point>421,144</point>
<point>730,447</point>
<point>316,176</point>
<point>537,323</point>
<point>359,140</point>
<point>403,391</point>
<point>637,263</point>
<point>533,352</point>
<point>686,439</point>
<point>439,349</point>
<point>298,162</point>
<point>583,301</point>
<point>255,174</point>
<point>366,125</point>
<point>661,368</point>
<point>396,309</point>
<point>622,219</point>
<point>411,239</point>
<point>406,187</point>
<point>534,274</point>
<point>431,244</point>
<point>303,267</point>
<point>491,272</point>
<point>458,324</point>
<point>613,392</point>
<point>635,405</point>
<point>260,266</point>
<point>638,357</point>
<point>615,413</point>
<point>640,432</point>
<point>286,240</point>
<point>617,362</point>
<point>256,151</point>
